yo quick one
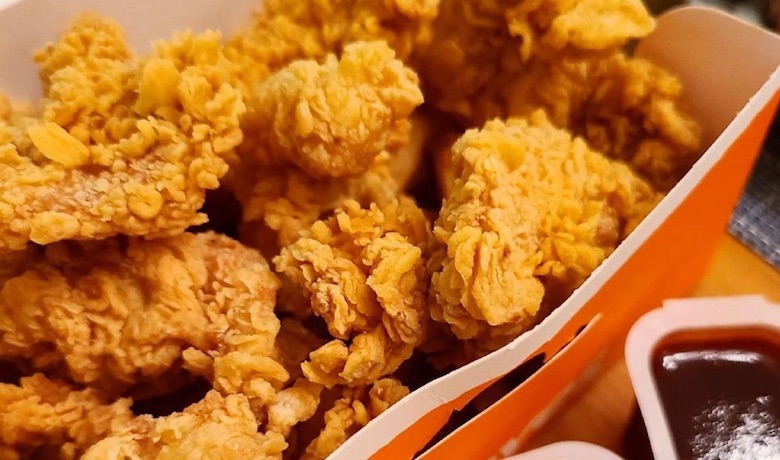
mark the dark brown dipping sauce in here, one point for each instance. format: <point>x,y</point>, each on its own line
<point>722,397</point>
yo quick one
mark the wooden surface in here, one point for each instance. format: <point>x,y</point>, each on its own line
<point>599,413</point>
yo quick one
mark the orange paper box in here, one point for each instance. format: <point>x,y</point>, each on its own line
<point>729,69</point>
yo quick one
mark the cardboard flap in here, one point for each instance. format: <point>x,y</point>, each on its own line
<point>722,61</point>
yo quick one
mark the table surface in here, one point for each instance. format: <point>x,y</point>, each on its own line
<point>600,412</point>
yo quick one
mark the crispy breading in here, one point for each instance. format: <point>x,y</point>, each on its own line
<point>115,312</point>
<point>45,418</point>
<point>364,273</point>
<point>284,31</point>
<point>332,118</point>
<point>123,146</point>
<point>280,204</point>
<point>356,407</point>
<point>480,46</point>
<point>218,427</point>
<point>626,108</point>
<point>530,206</point>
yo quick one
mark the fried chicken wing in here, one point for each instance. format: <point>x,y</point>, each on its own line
<point>115,313</point>
<point>364,273</point>
<point>333,118</point>
<point>122,146</point>
<point>218,427</point>
<point>530,208</point>
<point>42,418</point>
<point>356,407</point>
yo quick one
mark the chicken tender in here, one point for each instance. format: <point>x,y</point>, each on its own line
<point>356,407</point>
<point>122,146</point>
<point>364,273</point>
<point>218,427</point>
<point>531,207</point>
<point>116,313</point>
<point>335,118</point>
<point>44,418</point>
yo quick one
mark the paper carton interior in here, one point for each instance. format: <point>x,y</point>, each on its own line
<point>723,75</point>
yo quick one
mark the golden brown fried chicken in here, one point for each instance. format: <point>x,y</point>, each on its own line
<point>356,407</point>
<point>115,313</point>
<point>334,118</point>
<point>218,427</point>
<point>42,418</point>
<point>363,271</point>
<point>283,31</point>
<point>281,203</point>
<point>627,108</point>
<point>122,146</point>
<point>294,343</point>
<point>479,46</point>
<point>531,208</point>
<point>510,58</point>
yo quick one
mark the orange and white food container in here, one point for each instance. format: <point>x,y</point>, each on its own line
<point>570,450</point>
<point>706,374</point>
<point>730,72</point>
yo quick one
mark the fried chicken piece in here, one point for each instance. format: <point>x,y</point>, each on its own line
<point>123,146</point>
<point>115,313</point>
<point>44,418</point>
<point>284,31</point>
<point>334,118</point>
<point>294,343</point>
<point>478,46</point>
<point>280,204</point>
<point>293,405</point>
<point>531,207</point>
<point>218,427</point>
<point>353,411</point>
<point>363,270</point>
<point>627,108</point>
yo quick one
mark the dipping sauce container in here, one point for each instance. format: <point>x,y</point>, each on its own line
<point>706,374</point>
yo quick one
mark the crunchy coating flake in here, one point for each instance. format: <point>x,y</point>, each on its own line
<point>215,428</point>
<point>356,407</point>
<point>530,207</point>
<point>116,312</point>
<point>51,419</point>
<point>294,343</point>
<point>122,146</point>
<point>334,118</point>
<point>364,273</point>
